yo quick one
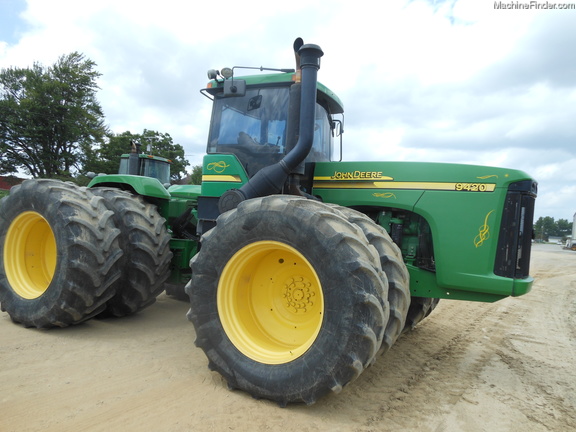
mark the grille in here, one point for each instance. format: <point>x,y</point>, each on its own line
<point>516,231</point>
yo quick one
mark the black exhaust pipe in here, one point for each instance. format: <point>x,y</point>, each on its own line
<point>298,43</point>
<point>309,64</point>
<point>134,159</point>
<point>271,179</point>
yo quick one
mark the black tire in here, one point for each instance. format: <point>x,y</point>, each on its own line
<point>395,270</point>
<point>146,245</point>
<point>60,254</point>
<point>177,291</point>
<point>420,308</point>
<point>312,286</point>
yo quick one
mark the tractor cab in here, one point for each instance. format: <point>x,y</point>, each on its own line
<point>259,122</point>
<point>140,164</point>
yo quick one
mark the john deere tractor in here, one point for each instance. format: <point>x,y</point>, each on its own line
<point>300,269</point>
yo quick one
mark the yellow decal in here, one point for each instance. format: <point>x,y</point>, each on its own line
<point>355,175</point>
<point>221,178</point>
<point>488,176</point>
<point>325,183</point>
<point>384,195</point>
<point>484,232</point>
<point>218,167</point>
<point>475,187</point>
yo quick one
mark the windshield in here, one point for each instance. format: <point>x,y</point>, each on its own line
<point>253,127</point>
<point>156,169</point>
<point>322,146</point>
<point>148,168</point>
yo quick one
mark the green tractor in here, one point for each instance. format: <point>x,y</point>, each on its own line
<point>136,163</point>
<point>300,270</point>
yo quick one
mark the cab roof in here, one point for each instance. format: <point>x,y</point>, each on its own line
<point>325,94</point>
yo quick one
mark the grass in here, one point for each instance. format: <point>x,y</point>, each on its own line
<point>3,193</point>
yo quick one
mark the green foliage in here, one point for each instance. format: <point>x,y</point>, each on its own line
<point>52,126</point>
<point>47,115</point>
<point>106,158</point>
<point>547,226</point>
<point>196,176</point>
<point>3,193</point>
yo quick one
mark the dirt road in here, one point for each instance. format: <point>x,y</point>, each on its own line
<point>506,366</point>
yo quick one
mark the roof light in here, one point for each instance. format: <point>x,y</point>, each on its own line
<point>227,72</point>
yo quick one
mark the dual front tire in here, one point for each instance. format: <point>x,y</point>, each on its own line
<point>289,299</point>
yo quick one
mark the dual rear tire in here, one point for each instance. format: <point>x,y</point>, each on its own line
<point>146,245</point>
<point>68,256</point>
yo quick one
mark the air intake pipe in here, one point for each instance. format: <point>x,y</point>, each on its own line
<point>271,179</point>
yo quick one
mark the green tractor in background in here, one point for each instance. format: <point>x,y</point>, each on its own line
<point>136,163</point>
<point>300,270</point>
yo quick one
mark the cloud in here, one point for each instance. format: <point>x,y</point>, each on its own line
<point>449,81</point>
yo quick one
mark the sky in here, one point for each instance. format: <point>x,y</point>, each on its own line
<point>459,81</point>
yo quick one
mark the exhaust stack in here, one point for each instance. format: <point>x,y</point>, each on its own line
<point>271,179</point>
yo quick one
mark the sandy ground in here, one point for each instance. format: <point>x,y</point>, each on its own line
<point>506,366</point>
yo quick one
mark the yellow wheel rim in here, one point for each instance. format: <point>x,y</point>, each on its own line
<point>30,255</point>
<point>270,302</point>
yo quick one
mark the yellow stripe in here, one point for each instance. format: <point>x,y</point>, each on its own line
<point>416,185</point>
<point>221,178</point>
<point>477,187</point>
<point>357,178</point>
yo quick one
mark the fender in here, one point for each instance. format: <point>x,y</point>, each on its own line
<point>145,186</point>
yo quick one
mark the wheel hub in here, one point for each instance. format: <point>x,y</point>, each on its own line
<point>30,255</point>
<point>270,302</point>
<point>298,293</point>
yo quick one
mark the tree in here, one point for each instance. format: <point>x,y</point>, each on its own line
<point>196,177</point>
<point>47,114</point>
<point>564,227</point>
<point>106,158</point>
<point>546,227</point>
